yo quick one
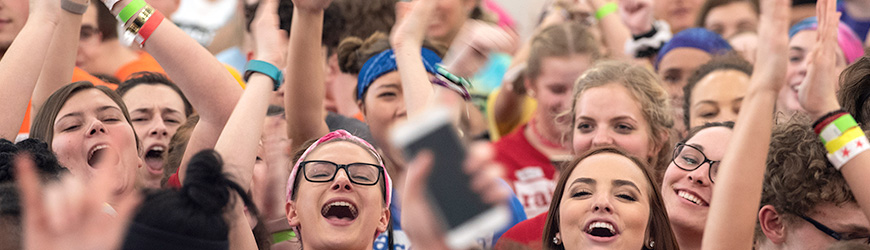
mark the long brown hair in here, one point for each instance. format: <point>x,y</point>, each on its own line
<point>43,123</point>
<point>659,226</point>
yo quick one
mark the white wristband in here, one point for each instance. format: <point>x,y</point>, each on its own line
<point>110,3</point>
<point>849,151</point>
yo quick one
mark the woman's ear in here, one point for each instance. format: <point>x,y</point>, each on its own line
<point>772,225</point>
<point>530,88</point>
<point>292,215</point>
<point>384,220</point>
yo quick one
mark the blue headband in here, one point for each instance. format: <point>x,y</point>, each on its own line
<point>385,62</point>
<point>698,38</point>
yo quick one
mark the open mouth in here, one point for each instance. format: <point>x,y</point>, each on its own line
<point>340,210</point>
<point>601,229</point>
<point>96,154</point>
<point>154,158</point>
<point>692,198</point>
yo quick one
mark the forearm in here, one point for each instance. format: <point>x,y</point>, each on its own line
<point>60,60</point>
<point>239,140</point>
<point>738,188</point>
<point>416,88</point>
<point>240,237</point>
<point>615,33</point>
<point>304,91</point>
<point>19,70</point>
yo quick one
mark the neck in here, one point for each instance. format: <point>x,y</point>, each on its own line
<point>111,58</point>
<point>688,239</point>
<point>545,139</point>
<point>858,9</point>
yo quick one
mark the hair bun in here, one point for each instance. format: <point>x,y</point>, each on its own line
<point>349,55</point>
<point>205,184</point>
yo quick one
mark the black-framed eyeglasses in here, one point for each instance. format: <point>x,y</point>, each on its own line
<point>865,238</point>
<point>325,171</point>
<point>690,158</point>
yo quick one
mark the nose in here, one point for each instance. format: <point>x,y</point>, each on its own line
<point>602,138</point>
<point>699,176</point>
<point>96,127</point>
<point>158,128</point>
<point>602,204</point>
<point>341,182</point>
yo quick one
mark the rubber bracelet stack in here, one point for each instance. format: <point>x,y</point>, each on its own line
<point>605,10</point>
<point>453,82</point>
<point>262,67</point>
<point>73,7</point>
<point>128,11</point>
<point>842,136</point>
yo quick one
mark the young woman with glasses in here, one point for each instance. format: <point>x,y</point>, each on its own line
<point>687,186</point>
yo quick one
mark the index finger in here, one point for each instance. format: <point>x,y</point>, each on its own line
<point>31,192</point>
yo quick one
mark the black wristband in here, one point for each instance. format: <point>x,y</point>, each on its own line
<point>828,115</point>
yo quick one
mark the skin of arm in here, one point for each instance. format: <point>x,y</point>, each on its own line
<point>205,82</point>
<point>407,42</point>
<point>19,69</point>
<point>731,221</point>
<point>614,31</point>
<point>60,59</point>
<point>304,89</point>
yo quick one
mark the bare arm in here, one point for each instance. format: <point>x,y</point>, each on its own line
<point>614,32</point>
<point>407,42</point>
<point>731,221</point>
<point>818,97</point>
<point>304,91</point>
<point>60,59</point>
<point>20,66</point>
<point>204,81</point>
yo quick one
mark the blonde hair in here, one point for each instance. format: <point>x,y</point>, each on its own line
<point>646,90</point>
<point>561,40</point>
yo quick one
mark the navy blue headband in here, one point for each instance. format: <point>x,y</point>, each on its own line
<point>385,62</point>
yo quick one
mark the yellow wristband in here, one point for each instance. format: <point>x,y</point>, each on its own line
<point>836,144</point>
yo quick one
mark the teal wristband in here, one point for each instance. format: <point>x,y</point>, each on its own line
<point>128,11</point>
<point>607,9</point>
<point>257,66</point>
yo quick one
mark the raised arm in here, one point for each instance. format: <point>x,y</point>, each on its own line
<point>304,91</point>
<point>20,65</point>
<point>613,30</point>
<point>817,97</point>
<point>407,42</point>
<point>731,221</point>
<point>57,70</point>
<point>208,86</point>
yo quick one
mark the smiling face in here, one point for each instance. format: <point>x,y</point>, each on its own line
<point>609,115</point>
<point>555,84</point>
<point>733,18</point>
<point>13,14</point>
<point>687,194</point>
<point>156,112</point>
<point>605,209</point>
<point>338,214</point>
<point>90,132</point>
<point>717,97</point>
<point>798,54</point>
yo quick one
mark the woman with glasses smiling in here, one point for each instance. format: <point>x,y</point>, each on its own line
<point>687,186</point>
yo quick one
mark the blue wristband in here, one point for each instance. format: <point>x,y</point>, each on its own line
<point>257,66</point>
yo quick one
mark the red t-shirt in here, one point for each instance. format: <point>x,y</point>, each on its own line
<point>528,233</point>
<point>529,172</point>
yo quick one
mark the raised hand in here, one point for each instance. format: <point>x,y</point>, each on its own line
<point>269,38</point>
<point>411,25</point>
<point>73,214</point>
<point>270,179</point>
<point>637,15</point>
<point>474,42</point>
<point>771,57</point>
<point>817,93</point>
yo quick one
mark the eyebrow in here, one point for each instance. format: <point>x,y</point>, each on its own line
<point>697,146</point>
<point>589,181</point>
<point>799,49</point>
<point>855,228</point>
<point>706,102</point>
<point>620,183</point>
<point>146,110</point>
<point>389,85</point>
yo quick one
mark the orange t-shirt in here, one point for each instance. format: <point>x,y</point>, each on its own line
<point>145,62</point>
<point>78,75</point>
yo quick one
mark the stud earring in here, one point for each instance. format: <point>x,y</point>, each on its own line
<point>557,241</point>
<point>652,244</point>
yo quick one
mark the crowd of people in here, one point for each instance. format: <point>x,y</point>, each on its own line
<point>134,124</point>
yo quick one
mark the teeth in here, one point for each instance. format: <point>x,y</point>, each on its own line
<point>158,148</point>
<point>341,203</point>
<point>690,197</point>
<point>601,225</point>
<point>98,147</point>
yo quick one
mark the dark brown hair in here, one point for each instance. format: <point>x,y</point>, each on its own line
<point>854,90</point>
<point>659,227</point>
<point>799,176</point>
<point>42,127</point>
<point>106,22</point>
<point>153,78</point>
